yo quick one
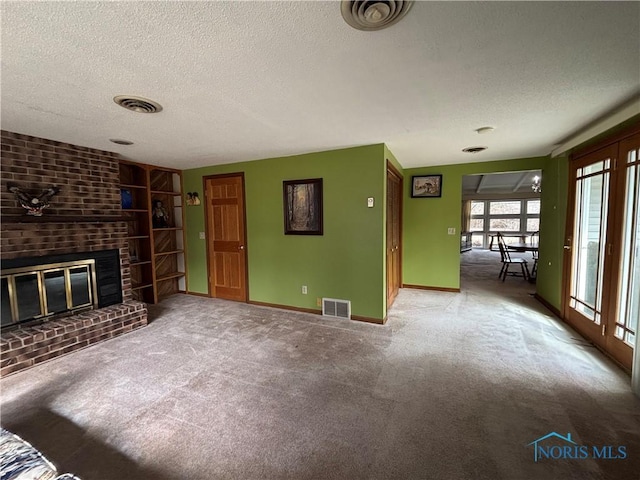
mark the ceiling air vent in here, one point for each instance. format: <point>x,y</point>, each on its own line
<point>138,104</point>
<point>120,141</point>
<point>373,14</point>
<point>332,307</point>
<point>474,149</point>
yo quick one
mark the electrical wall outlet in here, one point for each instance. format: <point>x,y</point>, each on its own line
<point>318,302</point>
<point>304,289</point>
<point>201,235</point>
<point>451,231</point>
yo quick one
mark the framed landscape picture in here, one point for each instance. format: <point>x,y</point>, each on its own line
<point>302,206</point>
<point>426,186</point>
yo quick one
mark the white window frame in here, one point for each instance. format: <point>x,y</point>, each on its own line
<point>523,216</point>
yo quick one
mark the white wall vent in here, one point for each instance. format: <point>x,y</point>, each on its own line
<point>332,307</point>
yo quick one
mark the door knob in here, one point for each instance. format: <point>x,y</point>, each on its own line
<point>567,247</point>
<point>241,247</point>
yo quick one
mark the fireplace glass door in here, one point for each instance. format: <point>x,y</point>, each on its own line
<point>32,293</point>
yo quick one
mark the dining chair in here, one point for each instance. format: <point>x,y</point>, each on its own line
<point>507,261</point>
<point>535,241</point>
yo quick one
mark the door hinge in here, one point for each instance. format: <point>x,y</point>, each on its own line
<point>604,329</point>
<point>609,248</point>
<point>615,163</point>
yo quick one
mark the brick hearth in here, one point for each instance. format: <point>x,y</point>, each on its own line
<point>26,347</point>
<point>80,219</point>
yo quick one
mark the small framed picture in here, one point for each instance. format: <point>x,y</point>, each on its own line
<point>426,186</point>
<point>302,207</point>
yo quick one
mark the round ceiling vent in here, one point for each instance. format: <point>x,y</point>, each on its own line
<point>373,14</point>
<point>120,141</point>
<point>138,104</point>
<point>474,149</point>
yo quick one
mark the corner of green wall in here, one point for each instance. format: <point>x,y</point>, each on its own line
<point>553,214</point>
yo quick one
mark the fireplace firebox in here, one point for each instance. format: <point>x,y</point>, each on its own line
<point>36,289</point>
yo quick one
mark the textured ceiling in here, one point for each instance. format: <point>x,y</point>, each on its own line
<point>249,80</point>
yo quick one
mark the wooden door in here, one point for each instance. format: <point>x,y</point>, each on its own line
<point>624,311</point>
<point>394,222</point>
<point>226,237</point>
<point>602,249</point>
<point>586,243</point>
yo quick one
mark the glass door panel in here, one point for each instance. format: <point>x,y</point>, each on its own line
<point>628,308</point>
<point>589,229</point>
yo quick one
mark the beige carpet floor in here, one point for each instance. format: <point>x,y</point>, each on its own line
<point>454,386</point>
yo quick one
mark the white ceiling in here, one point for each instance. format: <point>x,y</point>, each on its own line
<point>249,80</point>
<point>499,184</point>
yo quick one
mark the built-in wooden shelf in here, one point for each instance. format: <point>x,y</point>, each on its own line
<point>135,210</point>
<point>170,276</point>
<point>158,254</point>
<point>162,192</point>
<point>62,219</point>
<point>164,273</point>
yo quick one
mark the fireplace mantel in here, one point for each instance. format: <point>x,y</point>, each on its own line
<point>62,219</point>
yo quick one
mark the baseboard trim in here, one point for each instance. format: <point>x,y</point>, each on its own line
<point>357,318</point>
<point>437,289</point>
<point>377,321</point>
<point>286,307</point>
<point>197,294</point>
<point>548,306</point>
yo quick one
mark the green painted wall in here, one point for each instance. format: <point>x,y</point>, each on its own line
<point>431,257</point>
<point>347,262</point>
<point>553,214</point>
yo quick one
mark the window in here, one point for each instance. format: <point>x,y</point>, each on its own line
<point>533,207</point>
<point>505,208</point>
<point>477,224</point>
<point>477,208</point>
<point>516,217</point>
<point>504,224</point>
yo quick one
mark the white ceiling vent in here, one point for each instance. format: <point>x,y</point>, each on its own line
<point>138,104</point>
<point>332,307</point>
<point>373,14</point>
<point>474,149</point>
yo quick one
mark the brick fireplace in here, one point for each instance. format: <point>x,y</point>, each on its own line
<point>85,216</point>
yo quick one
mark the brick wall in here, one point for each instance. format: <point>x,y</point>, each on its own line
<point>89,189</point>
<point>80,218</point>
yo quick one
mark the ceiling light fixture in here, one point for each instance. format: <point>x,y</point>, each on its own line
<point>137,104</point>
<point>483,130</point>
<point>373,14</point>
<point>474,149</point>
<point>120,142</point>
<point>536,184</point>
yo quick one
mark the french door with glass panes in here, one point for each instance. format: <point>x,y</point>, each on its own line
<point>602,290</point>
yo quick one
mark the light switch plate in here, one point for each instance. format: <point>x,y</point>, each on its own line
<point>370,202</point>
<point>451,231</point>
<point>201,235</point>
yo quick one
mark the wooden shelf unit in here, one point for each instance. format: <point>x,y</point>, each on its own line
<point>158,264</point>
